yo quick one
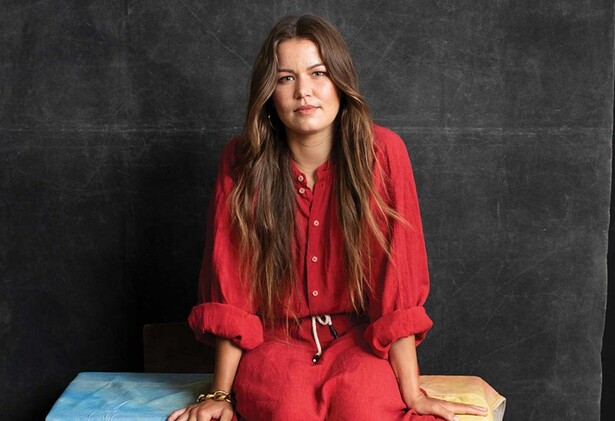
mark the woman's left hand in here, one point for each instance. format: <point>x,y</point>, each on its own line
<point>402,356</point>
<point>425,405</point>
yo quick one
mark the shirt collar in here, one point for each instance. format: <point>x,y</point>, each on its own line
<point>322,172</point>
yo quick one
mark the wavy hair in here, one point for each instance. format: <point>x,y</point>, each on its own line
<point>263,200</point>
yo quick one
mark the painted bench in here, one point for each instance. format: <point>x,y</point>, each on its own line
<point>100,396</point>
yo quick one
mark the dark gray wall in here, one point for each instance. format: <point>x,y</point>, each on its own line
<point>607,407</point>
<point>113,115</point>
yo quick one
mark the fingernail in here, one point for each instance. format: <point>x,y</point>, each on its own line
<point>455,418</point>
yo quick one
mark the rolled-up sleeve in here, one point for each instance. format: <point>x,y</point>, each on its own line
<point>397,298</point>
<point>226,321</point>
<point>225,309</point>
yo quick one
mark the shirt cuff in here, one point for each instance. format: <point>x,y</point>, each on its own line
<point>396,325</point>
<point>226,321</point>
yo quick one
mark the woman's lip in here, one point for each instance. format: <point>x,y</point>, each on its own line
<point>306,109</point>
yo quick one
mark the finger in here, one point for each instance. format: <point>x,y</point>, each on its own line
<point>226,416</point>
<point>190,414</point>
<point>478,410</point>
<point>443,412</point>
<point>194,416</point>
<point>205,414</point>
<point>198,414</point>
<point>465,409</point>
<point>176,414</point>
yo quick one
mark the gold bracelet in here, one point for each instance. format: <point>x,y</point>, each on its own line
<point>218,395</point>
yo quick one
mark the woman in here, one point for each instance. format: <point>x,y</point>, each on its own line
<point>315,274</point>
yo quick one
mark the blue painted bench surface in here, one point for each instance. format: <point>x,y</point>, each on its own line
<point>127,396</point>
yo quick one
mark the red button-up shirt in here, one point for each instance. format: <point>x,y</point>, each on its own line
<point>399,284</point>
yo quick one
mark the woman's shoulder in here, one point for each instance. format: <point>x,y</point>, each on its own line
<point>230,148</point>
<point>387,142</point>
<point>229,152</point>
<point>228,158</point>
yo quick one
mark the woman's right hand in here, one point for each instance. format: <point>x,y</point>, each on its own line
<point>227,360</point>
<point>204,411</point>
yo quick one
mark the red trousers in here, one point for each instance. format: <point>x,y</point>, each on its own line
<point>279,381</point>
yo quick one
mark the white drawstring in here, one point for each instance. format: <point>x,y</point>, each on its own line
<point>324,320</point>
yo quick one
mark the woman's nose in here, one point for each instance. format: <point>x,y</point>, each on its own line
<point>303,87</point>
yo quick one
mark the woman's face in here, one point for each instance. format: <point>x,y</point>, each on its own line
<point>305,98</point>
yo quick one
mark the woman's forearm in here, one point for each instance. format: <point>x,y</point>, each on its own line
<point>227,361</point>
<point>402,356</point>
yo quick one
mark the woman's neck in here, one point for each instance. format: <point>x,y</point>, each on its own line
<point>309,153</point>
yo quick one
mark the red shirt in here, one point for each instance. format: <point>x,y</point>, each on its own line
<point>399,285</point>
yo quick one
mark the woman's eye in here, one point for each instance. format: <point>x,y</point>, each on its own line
<point>286,78</point>
<point>319,73</point>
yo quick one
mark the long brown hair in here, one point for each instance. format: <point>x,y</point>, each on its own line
<point>263,200</point>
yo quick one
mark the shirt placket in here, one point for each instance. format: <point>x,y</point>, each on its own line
<point>314,255</point>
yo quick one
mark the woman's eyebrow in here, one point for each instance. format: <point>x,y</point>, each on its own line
<point>309,68</point>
